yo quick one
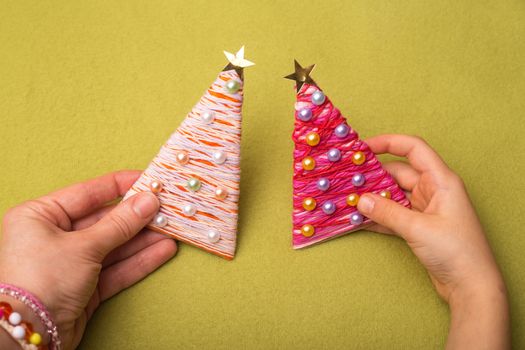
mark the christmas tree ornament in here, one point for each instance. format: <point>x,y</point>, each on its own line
<point>333,167</point>
<point>196,174</point>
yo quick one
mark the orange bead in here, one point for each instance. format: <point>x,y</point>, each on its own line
<point>313,138</point>
<point>385,193</point>
<point>309,204</point>
<point>308,163</point>
<point>352,199</point>
<point>6,308</point>
<point>182,157</point>
<point>155,186</point>
<point>307,230</point>
<point>358,158</point>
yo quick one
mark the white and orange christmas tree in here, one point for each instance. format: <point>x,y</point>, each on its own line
<point>196,174</point>
<point>332,168</point>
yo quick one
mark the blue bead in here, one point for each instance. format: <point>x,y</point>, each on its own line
<point>329,207</point>
<point>334,155</point>
<point>323,184</point>
<point>356,219</point>
<point>341,130</point>
<point>305,114</point>
<point>318,98</point>
<point>358,179</point>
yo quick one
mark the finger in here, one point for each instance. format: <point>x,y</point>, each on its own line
<point>128,272</point>
<point>91,219</point>
<point>389,214</point>
<point>405,175</point>
<point>122,223</point>
<point>81,199</point>
<point>420,155</point>
<point>143,240</point>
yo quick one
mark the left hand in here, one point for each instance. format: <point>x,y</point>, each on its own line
<point>73,250</point>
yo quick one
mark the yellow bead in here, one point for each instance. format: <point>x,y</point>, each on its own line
<point>358,158</point>
<point>385,194</point>
<point>35,339</point>
<point>313,139</point>
<point>309,203</point>
<point>307,230</point>
<point>308,163</point>
<point>352,199</point>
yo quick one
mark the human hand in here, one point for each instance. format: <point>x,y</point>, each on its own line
<point>445,234</point>
<point>74,249</point>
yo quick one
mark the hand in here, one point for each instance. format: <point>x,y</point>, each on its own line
<point>445,234</point>
<point>73,249</point>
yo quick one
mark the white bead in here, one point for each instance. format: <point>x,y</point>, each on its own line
<point>208,117</point>
<point>214,236</point>
<point>15,318</point>
<point>219,157</point>
<point>160,220</point>
<point>189,210</point>
<point>18,332</point>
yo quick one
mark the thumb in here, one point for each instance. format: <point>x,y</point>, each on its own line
<point>389,214</point>
<point>124,222</point>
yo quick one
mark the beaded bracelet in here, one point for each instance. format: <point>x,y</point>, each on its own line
<point>38,309</point>
<point>20,330</point>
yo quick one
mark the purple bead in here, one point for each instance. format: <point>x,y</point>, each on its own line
<point>342,130</point>
<point>356,219</point>
<point>358,179</point>
<point>318,98</point>
<point>305,114</point>
<point>323,184</point>
<point>334,155</point>
<point>328,207</point>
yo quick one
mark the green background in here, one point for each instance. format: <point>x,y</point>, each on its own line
<point>88,87</point>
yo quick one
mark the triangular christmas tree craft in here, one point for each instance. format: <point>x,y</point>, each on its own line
<point>332,168</point>
<point>196,174</point>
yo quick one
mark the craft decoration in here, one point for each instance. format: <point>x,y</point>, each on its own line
<point>332,168</point>
<point>196,174</point>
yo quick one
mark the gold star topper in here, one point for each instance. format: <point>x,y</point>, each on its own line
<point>301,75</point>
<point>237,62</point>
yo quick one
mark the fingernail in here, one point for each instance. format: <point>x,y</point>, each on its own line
<point>145,204</point>
<point>366,204</point>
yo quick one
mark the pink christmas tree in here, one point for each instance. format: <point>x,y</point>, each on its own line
<point>196,174</point>
<point>332,168</point>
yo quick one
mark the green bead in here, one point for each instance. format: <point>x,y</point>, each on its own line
<point>232,86</point>
<point>194,184</point>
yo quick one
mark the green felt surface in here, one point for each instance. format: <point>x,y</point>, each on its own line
<point>87,87</point>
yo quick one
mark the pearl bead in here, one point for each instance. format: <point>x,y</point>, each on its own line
<point>189,210</point>
<point>356,219</point>
<point>219,157</point>
<point>232,86</point>
<point>160,220</point>
<point>305,114</point>
<point>318,98</point>
<point>313,139</point>
<point>221,193</point>
<point>334,155</point>
<point>155,186</point>
<point>194,184</point>
<point>214,236</point>
<point>308,163</point>
<point>309,203</point>
<point>15,318</point>
<point>385,194</point>
<point>352,199</point>
<point>358,179</point>
<point>35,339</point>
<point>182,157</point>
<point>208,117</point>
<point>358,158</point>
<point>18,332</point>
<point>329,207</point>
<point>323,184</point>
<point>307,230</point>
<point>342,130</point>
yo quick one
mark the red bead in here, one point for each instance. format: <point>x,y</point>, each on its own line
<point>6,308</point>
<point>28,327</point>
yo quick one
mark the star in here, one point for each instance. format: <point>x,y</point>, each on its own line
<point>237,62</point>
<point>301,75</point>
